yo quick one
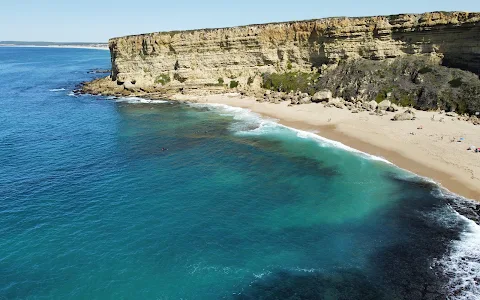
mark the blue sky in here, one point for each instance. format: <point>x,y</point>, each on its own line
<point>98,20</point>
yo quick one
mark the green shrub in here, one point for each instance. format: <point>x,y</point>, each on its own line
<point>163,79</point>
<point>380,97</point>
<point>290,81</point>
<point>289,65</point>
<point>250,80</point>
<point>233,84</point>
<point>455,83</point>
<point>406,100</point>
<point>425,70</point>
<point>220,80</point>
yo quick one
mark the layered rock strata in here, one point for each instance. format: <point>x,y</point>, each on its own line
<point>429,61</point>
<point>219,56</point>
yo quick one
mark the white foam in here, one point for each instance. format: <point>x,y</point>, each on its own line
<point>261,275</point>
<point>462,264</point>
<point>56,90</point>
<point>324,142</point>
<point>137,100</point>
<point>200,268</point>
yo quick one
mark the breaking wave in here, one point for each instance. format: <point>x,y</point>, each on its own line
<point>250,123</point>
<point>137,100</point>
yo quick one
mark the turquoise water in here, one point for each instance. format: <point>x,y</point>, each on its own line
<point>238,207</point>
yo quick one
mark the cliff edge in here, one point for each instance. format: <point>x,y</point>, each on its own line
<point>243,57</point>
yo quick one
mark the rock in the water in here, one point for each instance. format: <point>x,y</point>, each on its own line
<point>324,95</point>
<point>405,116</point>
<point>384,105</point>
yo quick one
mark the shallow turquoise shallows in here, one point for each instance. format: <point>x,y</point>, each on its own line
<point>233,207</point>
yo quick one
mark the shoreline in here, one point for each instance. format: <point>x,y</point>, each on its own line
<point>427,152</point>
<point>55,46</point>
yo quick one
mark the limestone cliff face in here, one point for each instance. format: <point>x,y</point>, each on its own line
<point>242,53</point>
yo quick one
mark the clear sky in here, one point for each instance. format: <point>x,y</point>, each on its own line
<point>98,20</point>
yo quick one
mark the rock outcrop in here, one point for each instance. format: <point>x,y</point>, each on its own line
<point>215,56</point>
<point>326,54</point>
<point>404,116</point>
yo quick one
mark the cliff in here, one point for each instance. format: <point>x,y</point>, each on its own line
<point>241,56</point>
<point>204,56</point>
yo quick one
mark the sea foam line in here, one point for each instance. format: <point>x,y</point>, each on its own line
<point>138,100</point>
<point>462,264</point>
<point>266,124</point>
<point>56,90</point>
<point>263,125</point>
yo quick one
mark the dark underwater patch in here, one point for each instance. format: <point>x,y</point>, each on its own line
<point>408,269</point>
<point>341,285</point>
<point>404,270</point>
<point>465,207</point>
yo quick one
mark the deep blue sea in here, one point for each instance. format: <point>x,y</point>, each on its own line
<point>238,207</point>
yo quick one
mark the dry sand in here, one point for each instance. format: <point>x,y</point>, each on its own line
<point>432,152</point>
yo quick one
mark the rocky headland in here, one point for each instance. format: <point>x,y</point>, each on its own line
<point>355,74</point>
<point>428,61</point>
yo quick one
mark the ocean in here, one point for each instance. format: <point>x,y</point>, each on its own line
<point>128,198</point>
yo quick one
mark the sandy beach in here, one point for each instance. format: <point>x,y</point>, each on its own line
<point>428,146</point>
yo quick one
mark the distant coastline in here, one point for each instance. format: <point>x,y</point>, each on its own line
<point>99,46</point>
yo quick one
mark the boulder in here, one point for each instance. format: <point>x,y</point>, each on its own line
<point>451,114</point>
<point>305,100</point>
<point>372,105</point>
<point>129,86</point>
<point>393,108</point>
<point>405,116</point>
<point>320,96</point>
<point>337,102</point>
<point>475,120</point>
<point>384,105</point>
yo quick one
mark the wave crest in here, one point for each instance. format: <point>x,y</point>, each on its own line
<point>137,100</point>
